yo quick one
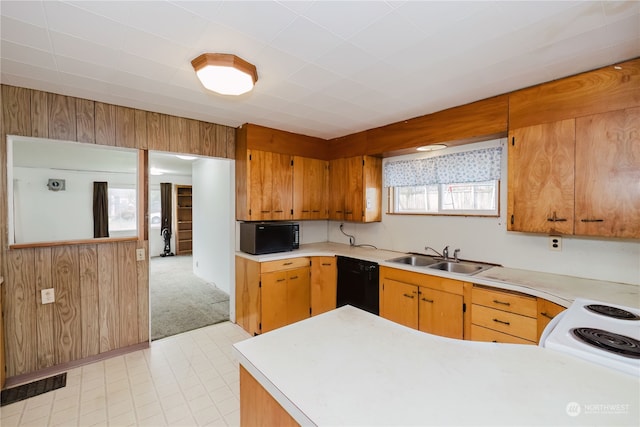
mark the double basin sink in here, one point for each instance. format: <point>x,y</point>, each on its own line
<point>435,263</point>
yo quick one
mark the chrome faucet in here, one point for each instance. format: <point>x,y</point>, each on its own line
<point>455,255</point>
<point>445,253</point>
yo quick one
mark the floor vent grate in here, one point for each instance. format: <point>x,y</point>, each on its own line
<point>35,388</point>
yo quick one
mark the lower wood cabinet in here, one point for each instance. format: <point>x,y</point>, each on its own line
<point>503,316</point>
<point>273,294</point>
<point>324,280</point>
<point>285,297</point>
<point>428,303</point>
<point>547,310</point>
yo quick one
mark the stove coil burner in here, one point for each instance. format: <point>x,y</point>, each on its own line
<point>609,341</point>
<point>609,311</point>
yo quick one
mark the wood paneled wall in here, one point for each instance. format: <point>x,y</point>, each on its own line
<point>101,303</point>
<point>102,292</point>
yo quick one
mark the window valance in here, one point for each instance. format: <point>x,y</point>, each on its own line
<point>469,166</point>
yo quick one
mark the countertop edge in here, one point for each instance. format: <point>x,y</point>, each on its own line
<point>557,296</point>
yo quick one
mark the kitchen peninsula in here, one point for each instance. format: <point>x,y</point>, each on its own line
<point>348,367</point>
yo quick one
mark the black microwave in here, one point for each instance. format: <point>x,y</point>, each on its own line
<point>268,237</point>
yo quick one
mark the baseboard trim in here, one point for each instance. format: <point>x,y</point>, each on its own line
<point>62,367</point>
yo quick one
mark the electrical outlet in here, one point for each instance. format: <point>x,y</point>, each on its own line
<point>555,243</point>
<point>140,254</point>
<point>48,296</point>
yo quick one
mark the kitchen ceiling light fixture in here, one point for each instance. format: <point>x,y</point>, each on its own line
<point>186,157</point>
<point>225,73</point>
<point>432,147</point>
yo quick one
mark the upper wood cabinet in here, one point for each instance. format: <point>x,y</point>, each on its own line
<point>541,178</point>
<point>310,188</point>
<point>265,191</point>
<point>608,174</point>
<point>577,176</point>
<point>356,189</point>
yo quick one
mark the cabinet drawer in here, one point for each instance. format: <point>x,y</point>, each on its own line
<point>478,333</point>
<point>283,264</point>
<point>506,301</point>
<point>503,321</point>
<point>432,282</point>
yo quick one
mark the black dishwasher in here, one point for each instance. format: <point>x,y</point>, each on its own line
<point>358,284</point>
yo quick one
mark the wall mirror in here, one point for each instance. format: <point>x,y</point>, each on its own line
<point>51,190</point>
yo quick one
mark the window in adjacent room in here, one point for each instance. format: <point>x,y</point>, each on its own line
<point>460,183</point>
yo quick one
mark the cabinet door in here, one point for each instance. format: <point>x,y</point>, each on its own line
<point>298,294</point>
<point>541,178</point>
<point>338,185</point>
<point>324,278</point>
<point>607,174</point>
<point>282,186</point>
<point>260,184</point>
<point>248,305</point>
<point>353,193</point>
<point>372,184</point>
<point>274,300</point>
<point>310,188</point>
<point>400,303</point>
<point>440,313</point>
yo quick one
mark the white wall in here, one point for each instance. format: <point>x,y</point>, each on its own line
<point>487,239</point>
<point>156,243</point>
<point>213,223</point>
<point>41,215</point>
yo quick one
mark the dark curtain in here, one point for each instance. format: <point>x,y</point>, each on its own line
<point>100,209</point>
<point>165,206</point>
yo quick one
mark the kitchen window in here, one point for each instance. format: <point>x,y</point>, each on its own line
<point>462,183</point>
<point>122,209</point>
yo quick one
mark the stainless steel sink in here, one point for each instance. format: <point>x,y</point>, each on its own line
<point>415,260</point>
<point>460,267</point>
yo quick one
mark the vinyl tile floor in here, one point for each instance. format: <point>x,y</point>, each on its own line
<point>190,379</point>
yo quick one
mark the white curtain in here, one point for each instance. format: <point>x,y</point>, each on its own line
<point>469,166</point>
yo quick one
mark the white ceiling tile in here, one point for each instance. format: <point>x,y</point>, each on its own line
<point>27,55</point>
<point>67,19</point>
<point>222,39</point>
<point>314,78</point>
<point>305,40</point>
<point>205,9</point>
<point>154,48</point>
<point>346,18</point>
<point>578,19</point>
<point>391,33</point>
<point>73,47</point>
<point>620,30</point>
<point>259,19</point>
<point>145,68</point>
<point>24,34</point>
<point>291,91</point>
<point>616,10</point>
<point>345,59</point>
<point>74,66</point>
<point>298,6</point>
<point>31,12</point>
<point>17,68</point>
<point>431,17</point>
<point>518,14</point>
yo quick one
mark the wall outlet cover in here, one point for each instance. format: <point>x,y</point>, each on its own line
<point>555,243</point>
<point>48,296</point>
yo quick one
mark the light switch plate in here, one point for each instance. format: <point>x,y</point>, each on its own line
<point>48,296</point>
<point>140,254</point>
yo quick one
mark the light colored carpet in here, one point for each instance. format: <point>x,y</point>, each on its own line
<point>181,301</point>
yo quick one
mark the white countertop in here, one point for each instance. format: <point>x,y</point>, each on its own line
<point>557,288</point>
<point>348,367</point>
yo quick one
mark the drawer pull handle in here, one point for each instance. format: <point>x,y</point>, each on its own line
<point>326,264</point>
<point>408,296</point>
<point>501,302</point>
<point>287,263</point>
<point>501,321</point>
<point>427,300</point>
<point>293,277</point>
<point>314,211</point>
<point>592,220</point>
<point>280,280</point>
<point>348,212</point>
<point>305,211</point>
<point>278,211</point>
<point>548,316</point>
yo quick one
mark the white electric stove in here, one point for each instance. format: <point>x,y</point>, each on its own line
<point>603,333</point>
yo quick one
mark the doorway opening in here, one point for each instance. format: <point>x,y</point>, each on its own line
<point>190,289</point>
